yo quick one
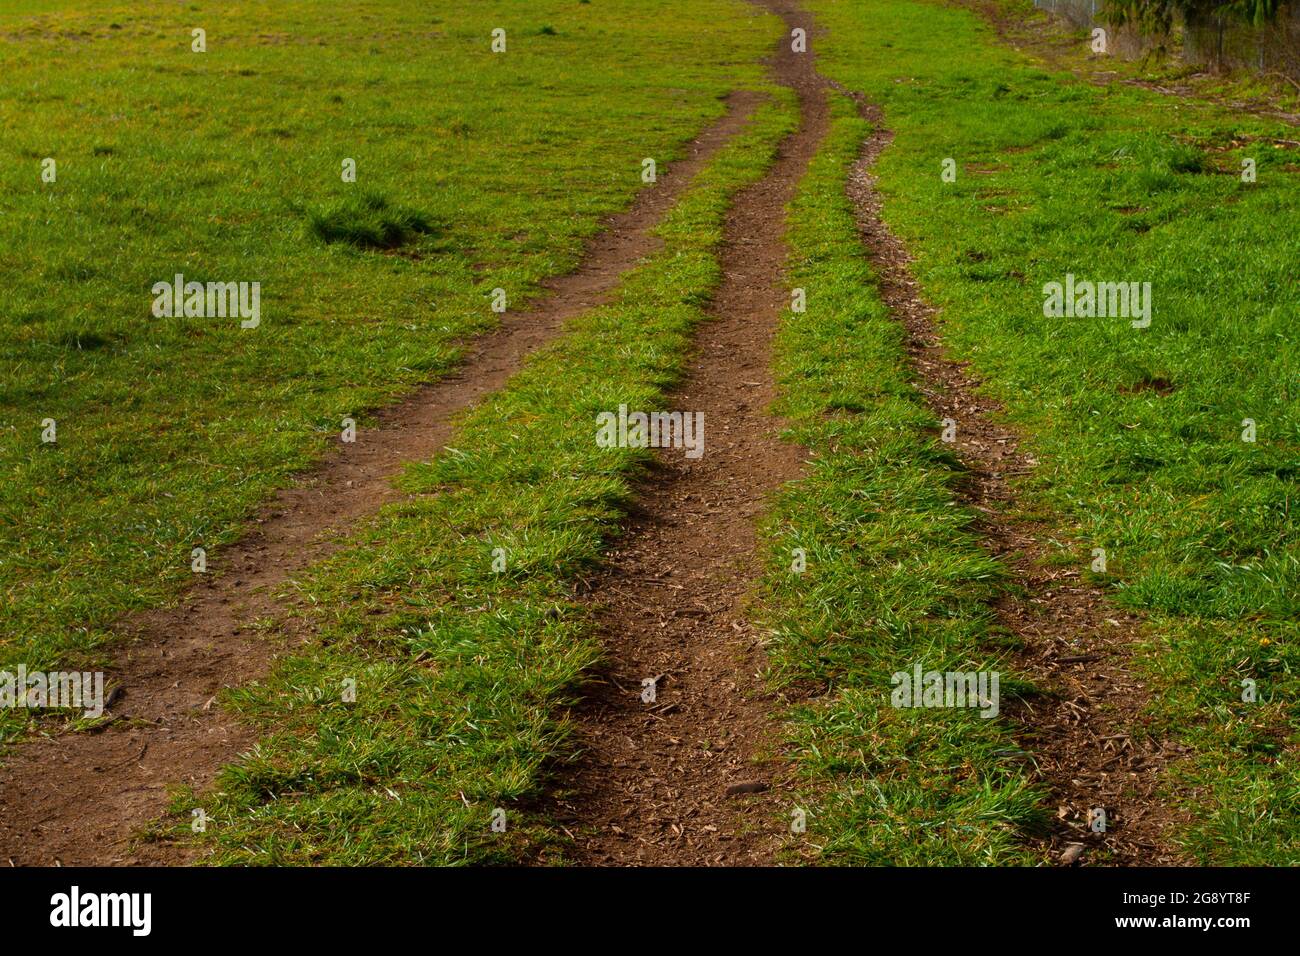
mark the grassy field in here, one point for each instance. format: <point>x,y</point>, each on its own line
<point>894,575</point>
<point>448,636</point>
<point>1139,432</point>
<point>461,664</point>
<point>227,165</point>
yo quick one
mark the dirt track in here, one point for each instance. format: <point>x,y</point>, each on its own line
<point>79,798</point>
<point>655,785</point>
<point>652,784</point>
<point>689,779</point>
<point>1087,734</point>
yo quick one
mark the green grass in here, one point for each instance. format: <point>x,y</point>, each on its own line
<point>1116,183</point>
<point>1161,65</point>
<point>894,575</point>
<point>489,170</point>
<point>477,170</point>
<point>461,670</point>
<point>370,223</point>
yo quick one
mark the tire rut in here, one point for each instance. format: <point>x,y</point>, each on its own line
<point>78,799</point>
<point>1089,737</point>
<point>689,779</point>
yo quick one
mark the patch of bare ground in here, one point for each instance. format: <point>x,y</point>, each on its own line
<point>80,798</point>
<point>690,779</point>
<point>1089,736</point>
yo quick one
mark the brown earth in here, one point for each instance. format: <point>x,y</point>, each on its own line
<point>690,779</point>
<point>1088,734</point>
<point>79,798</point>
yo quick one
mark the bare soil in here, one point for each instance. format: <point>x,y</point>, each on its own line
<point>1088,735</point>
<point>80,798</point>
<point>690,779</point>
<point>693,777</point>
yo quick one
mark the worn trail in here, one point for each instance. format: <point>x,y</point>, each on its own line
<point>683,780</point>
<point>1088,736</point>
<point>80,798</point>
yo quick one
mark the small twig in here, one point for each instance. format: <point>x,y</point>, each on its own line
<point>1284,77</point>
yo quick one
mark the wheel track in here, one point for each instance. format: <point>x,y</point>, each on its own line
<point>77,799</point>
<point>650,785</point>
<point>1089,735</point>
<point>647,789</point>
